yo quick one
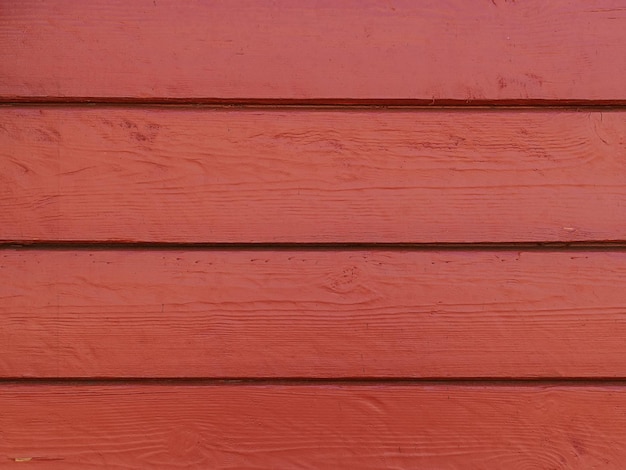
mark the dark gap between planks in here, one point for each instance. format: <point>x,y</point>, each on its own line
<point>599,246</point>
<point>324,103</point>
<point>306,381</point>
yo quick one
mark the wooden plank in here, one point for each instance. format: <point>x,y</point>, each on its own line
<point>312,314</point>
<point>206,175</point>
<point>311,427</point>
<point>337,50</point>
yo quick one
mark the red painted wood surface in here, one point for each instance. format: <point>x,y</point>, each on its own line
<point>206,175</point>
<point>312,314</point>
<point>325,347</point>
<point>312,427</point>
<point>338,50</point>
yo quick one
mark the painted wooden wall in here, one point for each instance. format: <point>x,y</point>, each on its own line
<point>313,234</point>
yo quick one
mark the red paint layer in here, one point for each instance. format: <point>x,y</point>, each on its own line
<point>201,175</point>
<point>312,314</point>
<point>312,427</point>
<point>342,49</point>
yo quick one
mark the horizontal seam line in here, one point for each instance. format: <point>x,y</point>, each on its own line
<point>303,381</point>
<point>478,246</point>
<point>338,104</point>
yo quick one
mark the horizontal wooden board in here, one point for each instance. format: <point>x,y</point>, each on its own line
<point>312,314</point>
<point>207,175</point>
<point>337,50</point>
<point>312,427</point>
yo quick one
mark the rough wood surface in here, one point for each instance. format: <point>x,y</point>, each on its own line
<point>115,358</point>
<point>313,427</point>
<point>202,175</point>
<point>340,49</point>
<point>312,314</point>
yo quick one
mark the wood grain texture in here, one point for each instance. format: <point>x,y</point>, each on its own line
<point>312,314</point>
<point>347,49</point>
<point>206,175</point>
<point>313,427</point>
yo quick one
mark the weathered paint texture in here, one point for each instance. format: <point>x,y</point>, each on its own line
<point>308,235</point>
